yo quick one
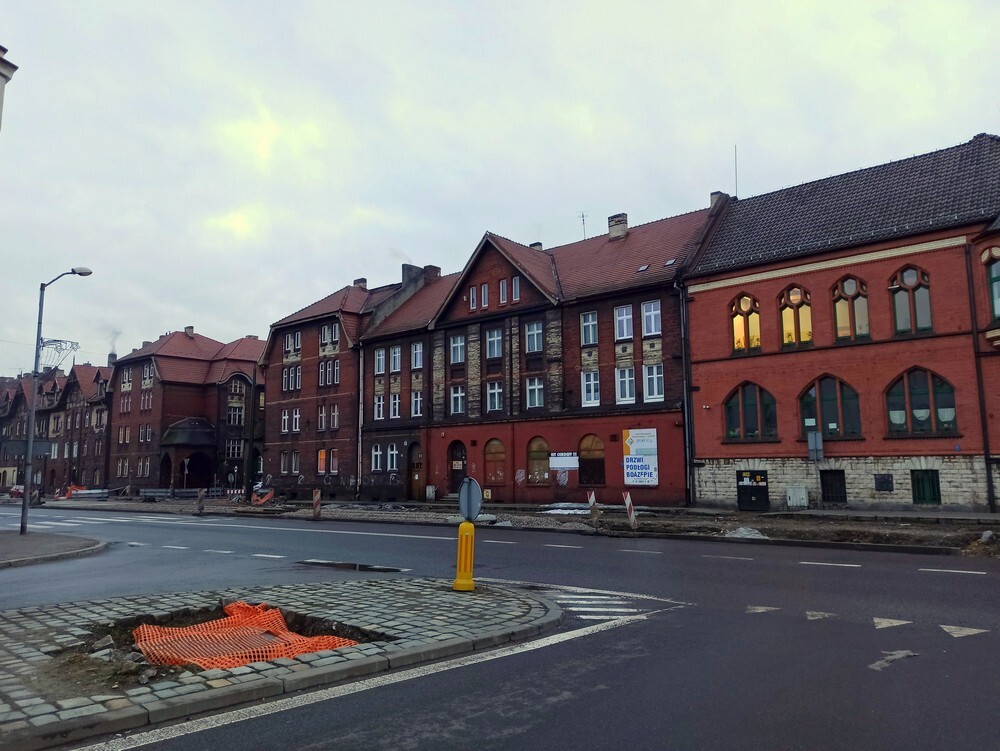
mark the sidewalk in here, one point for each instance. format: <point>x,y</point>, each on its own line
<point>38,547</point>
<point>417,620</point>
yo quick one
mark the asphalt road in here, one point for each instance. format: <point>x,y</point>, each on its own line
<point>710,645</point>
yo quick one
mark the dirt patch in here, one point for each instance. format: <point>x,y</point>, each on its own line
<point>75,672</point>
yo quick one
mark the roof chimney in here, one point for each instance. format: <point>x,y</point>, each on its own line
<point>715,196</point>
<point>617,226</point>
<point>189,330</point>
<point>361,282</point>
<point>536,246</point>
<point>432,272</point>
<point>112,359</point>
<point>146,344</point>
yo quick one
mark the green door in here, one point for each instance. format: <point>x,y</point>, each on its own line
<point>926,487</point>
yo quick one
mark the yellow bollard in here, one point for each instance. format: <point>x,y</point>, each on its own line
<point>466,552</point>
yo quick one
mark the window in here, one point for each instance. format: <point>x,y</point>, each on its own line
<point>392,456</point>
<point>590,388</point>
<point>796,317</point>
<point>911,301</point>
<point>651,318</point>
<point>234,415</point>
<point>533,336</point>
<point>588,328</point>
<point>751,414</point>
<point>379,410</point>
<point>376,458</point>
<point>295,462</point>
<point>333,458</point>
<point>831,407</point>
<point>457,400</point>
<point>329,333</point>
<point>126,379</point>
<point>457,349</point>
<point>321,461</point>
<point>472,297</point>
<point>538,461</point>
<point>494,343</point>
<point>515,289</point>
<point>534,392</point>
<point>237,387</point>
<point>926,484</point>
<point>284,462</point>
<point>298,377</point>
<point>494,396</point>
<point>54,452</point>
<point>322,373</point>
<point>850,309</point>
<point>591,453</point>
<point>336,371</point>
<point>623,322</point>
<point>920,402</point>
<point>503,291</point>
<point>395,359</point>
<point>393,406</point>
<point>484,295</point>
<point>625,393</point>
<point>284,421</point>
<point>334,416</point>
<point>296,419</point>
<point>284,379</point>
<point>993,270</point>
<point>745,314</point>
<point>416,403</point>
<point>654,382</point>
<point>234,448</point>
<point>293,342</point>
<point>417,355</point>
<point>379,361</point>
<point>321,417</point>
<point>495,458</point>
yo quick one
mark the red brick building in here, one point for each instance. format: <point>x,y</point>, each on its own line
<point>183,410</point>
<point>863,308</point>
<point>77,420</point>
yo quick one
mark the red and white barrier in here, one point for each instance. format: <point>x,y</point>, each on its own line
<point>630,510</point>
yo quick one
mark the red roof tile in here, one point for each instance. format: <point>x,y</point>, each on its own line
<point>418,311</point>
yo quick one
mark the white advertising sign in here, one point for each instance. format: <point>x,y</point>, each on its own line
<point>639,447</point>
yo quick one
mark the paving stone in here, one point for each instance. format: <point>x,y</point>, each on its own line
<point>138,691</point>
<point>219,683</point>
<point>69,714</point>
<point>40,709</point>
<point>113,704</point>
<point>79,701</point>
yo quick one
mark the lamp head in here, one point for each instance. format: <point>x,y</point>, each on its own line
<point>81,271</point>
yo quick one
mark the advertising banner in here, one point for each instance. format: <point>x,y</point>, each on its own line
<point>639,448</point>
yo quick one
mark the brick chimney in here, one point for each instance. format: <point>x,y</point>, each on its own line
<point>189,330</point>
<point>536,246</point>
<point>617,226</point>
<point>361,282</point>
<point>112,358</point>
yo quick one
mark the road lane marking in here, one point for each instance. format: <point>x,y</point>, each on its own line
<point>823,563</point>
<point>760,609</point>
<point>379,681</point>
<point>60,524</point>
<point>647,552</point>
<point>137,544</point>
<point>499,542</point>
<point>951,571</point>
<point>175,547</point>
<point>727,557</point>
<point>960,631</point>
<point>216,551</point>
<point>603,610</point>
<point>815,615</point>
<point>889,622</point>
<point>587,591</point>
<point>265,555</point>
<point>572,547</point>
<point>891,657</point>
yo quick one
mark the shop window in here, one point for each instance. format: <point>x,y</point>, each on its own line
<point>538,461</point>
<point>591,453</point>
<point>495,457</point>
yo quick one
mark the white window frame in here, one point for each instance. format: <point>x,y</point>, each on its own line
<point>284,421</point>
<point>416,355</point>
<point>295,462</point>
<point>380,361</point>
<point>494,396</point>
<point>533,339</point>
<point>652,324</point>
<point>472,297</point>
<point>625,385</point>
<point>457,349</point>
<point>334,416</point>
<point>590,388</point>
<point>296,420</point>
<point>298,377</point>
<point>652,382</point>
<point>534,392</point>
<point>378,409</point>
<point>392,458</point>
<point>458,400</point>
<point>321,417</point>
<point>494,343</point>
<point>503,291</point>
<point>484,296</point>
<point>416,403</point>
<point>284,463</point>
<point>395,359</point>
<point>588,328</point>
<point>394,406</point>
<point>515,289</point>
<point>336,372</point>
<point>377,458</point>
<point>623,323</point>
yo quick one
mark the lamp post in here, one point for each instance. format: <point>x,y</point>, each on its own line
<point>7,69</point>
<point>28,471</point>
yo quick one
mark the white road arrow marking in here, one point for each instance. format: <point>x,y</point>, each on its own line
<point>959,631</point>
<point>891,657</point>
<point>888,622</point>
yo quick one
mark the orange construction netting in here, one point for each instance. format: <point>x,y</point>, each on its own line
<point>248,633</point>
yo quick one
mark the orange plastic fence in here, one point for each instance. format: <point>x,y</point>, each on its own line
<point>248,633</point>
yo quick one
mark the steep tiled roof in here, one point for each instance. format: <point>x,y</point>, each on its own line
<point>245,348</point>
<point>347,300</point>
<point>179,370</point>
<point>949,188</point>
<point>86,378</point>
<point>177,344</point>
<point>536,264</point>
<point>416,312</point>
<point>600,264</point>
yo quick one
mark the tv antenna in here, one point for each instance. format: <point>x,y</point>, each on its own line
<point>583,218</point>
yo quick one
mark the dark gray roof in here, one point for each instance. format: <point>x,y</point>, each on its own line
<point>948,188</point>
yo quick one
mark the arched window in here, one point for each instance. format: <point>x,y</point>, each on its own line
<point>376,458</point>
<point>745,314</point>
<point>911,300</point>
<point>831,407</point>
<point>392,463</point>
<point>751,414</point>
<point>919,402</point>
<point>850,309</point>
<point>495,457</point>
<point>591,460</point>
<point>321,461</point>
<point>538,461</point>
<point>796,317</point>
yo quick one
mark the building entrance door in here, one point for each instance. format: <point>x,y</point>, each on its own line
<point>416,480</point>
<point>457,466</point>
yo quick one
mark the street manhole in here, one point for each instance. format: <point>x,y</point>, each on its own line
<point>345,566</point>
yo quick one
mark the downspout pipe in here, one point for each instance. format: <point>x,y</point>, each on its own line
<point>691,495</point>
<point>361,418</point>
<point>981,391</point>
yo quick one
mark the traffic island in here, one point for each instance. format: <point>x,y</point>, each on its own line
<point>410,621</point>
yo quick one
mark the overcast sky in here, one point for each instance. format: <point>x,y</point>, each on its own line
<point>223,164</point>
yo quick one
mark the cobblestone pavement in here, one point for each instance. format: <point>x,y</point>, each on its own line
<point>426,619</point>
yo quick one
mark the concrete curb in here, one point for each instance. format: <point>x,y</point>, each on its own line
<point>55,556</point>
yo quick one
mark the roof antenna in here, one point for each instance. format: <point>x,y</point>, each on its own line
<point>736,172</point>
<point>583,218</point>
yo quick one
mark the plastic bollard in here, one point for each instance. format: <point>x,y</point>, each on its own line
<point>466,553</point>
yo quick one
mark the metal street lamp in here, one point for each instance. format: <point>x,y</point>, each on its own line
<point>28,471</point>
<point>7,69</point>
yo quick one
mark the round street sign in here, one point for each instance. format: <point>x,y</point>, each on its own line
<point>470,499</point>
